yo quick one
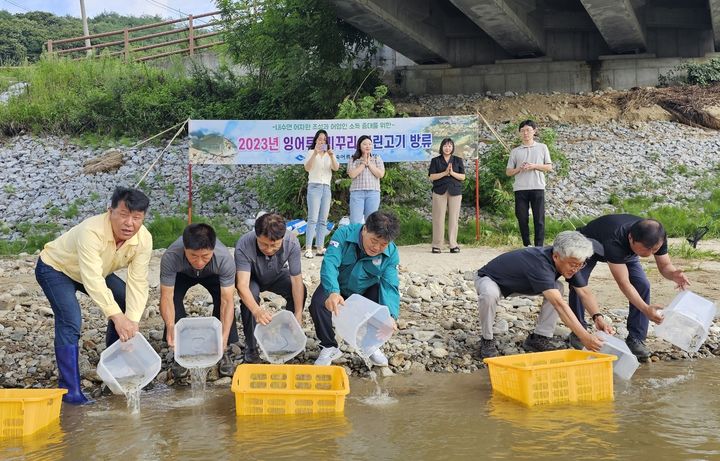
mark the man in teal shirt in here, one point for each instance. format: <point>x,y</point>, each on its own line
<point>360,259</point>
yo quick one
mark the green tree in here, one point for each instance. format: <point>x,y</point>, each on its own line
<point>369,106</point>
<point>25,35</point>
<point>302,60</point>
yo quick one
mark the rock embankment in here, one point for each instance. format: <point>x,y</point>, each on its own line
<point>48,180</point>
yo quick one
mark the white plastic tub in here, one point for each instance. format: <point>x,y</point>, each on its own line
<point>687,321</point>
<point>282,338</point>
<point>363,324</point>
<point>130,365</point>
<point>626,364</point>
<point>198,342</point>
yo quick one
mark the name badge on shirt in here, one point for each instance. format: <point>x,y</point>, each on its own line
<point>377,261</point>
<point>334,243</point>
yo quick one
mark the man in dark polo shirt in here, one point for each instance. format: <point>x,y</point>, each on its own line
<point>622,239</point>
<point>534,271</point>
<point>267,259</point>
<point>198,258</point>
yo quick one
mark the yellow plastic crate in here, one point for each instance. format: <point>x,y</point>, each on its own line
<point>553,377</point>
<point>289,389</point>
<point>26,411</point>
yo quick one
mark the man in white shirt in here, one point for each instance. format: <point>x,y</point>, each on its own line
<point>528,163</point>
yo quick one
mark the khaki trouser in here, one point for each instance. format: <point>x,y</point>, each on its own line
<point>488,296</point>
<point>441,203</point>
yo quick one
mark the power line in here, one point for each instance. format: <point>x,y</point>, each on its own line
<point>17,6</point>
<point>169,8</point>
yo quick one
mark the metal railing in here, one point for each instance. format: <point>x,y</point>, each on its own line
<point>126,50</point>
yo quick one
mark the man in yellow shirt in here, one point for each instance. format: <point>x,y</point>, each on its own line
<point>84,258</point>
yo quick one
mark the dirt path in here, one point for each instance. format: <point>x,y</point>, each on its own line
<point>704,274</point>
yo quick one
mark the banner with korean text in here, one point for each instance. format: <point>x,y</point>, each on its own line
<point>412,139</point>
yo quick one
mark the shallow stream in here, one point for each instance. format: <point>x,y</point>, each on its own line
<point>669,411</point>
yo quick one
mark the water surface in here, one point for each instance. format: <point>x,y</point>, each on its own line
<point>669,411</point>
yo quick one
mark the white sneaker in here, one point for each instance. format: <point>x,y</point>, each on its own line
<point>309,254</point>
<point>378,359</point>
<point>327,355</point>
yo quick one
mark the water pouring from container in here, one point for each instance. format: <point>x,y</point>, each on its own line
<point>127,367</point>
<point>198,346</point>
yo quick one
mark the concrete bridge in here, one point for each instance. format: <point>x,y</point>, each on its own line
<point>469,46</point>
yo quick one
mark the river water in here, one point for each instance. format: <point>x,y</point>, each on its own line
<point>669,411</point>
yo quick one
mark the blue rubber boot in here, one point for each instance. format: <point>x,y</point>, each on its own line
<point>69,374</point>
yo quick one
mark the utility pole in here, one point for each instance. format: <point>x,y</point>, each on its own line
<point>86,31</point>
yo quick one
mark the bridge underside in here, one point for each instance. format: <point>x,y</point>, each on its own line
<point>475,32</point>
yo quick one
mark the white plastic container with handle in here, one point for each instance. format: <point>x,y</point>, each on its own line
<point>198,342</point>
<point>126,366</point>
<point>281,339</point>
<point>687,321</point>
<point>365,325</point>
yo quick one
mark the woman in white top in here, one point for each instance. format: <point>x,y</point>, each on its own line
<point>320,162</point>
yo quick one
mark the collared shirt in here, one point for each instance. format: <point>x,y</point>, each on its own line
<point>612,232</point>
<point>87,254</point>
<point>346,268</point>
<point>266,269</point>
<point>528,271</point>
<point>366,180</point>
<point>174,261</point>
<point>531,179</point>
<point>321,171</point>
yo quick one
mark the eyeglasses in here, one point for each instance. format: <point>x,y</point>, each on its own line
<point>576,266</point>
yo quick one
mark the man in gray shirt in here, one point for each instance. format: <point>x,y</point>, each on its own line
<point>528,163</point>
<point>267,259</point>
<point>198,257</point>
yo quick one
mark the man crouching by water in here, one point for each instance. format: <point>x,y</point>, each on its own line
<point>362,259</point>
<point>84,259</point>
<point>534,271</point>
<point>198,258</point>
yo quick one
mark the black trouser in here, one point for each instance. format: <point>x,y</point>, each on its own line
<point>322,318</point>
<point>212,284</point>
<point>535,199</point>
<point>280,286</point>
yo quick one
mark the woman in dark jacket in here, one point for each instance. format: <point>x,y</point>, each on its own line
<point>447,172</point>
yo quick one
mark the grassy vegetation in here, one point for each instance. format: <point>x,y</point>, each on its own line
<point>32,237</point>
<point>681,221</point>
<point>416,229</point>
<point>166,229</point>
<point>103,97</point>
<point>685,251</point>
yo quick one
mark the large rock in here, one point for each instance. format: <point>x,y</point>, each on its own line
<point>7,302</point>
<point>110,160</point>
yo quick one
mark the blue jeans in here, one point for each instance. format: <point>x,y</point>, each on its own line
<point>637,322</point>
<point>362,204</point>
<point>60,291</point>
<point>318,201</point>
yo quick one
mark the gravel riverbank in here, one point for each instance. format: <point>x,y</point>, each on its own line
<point>439,330</point>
